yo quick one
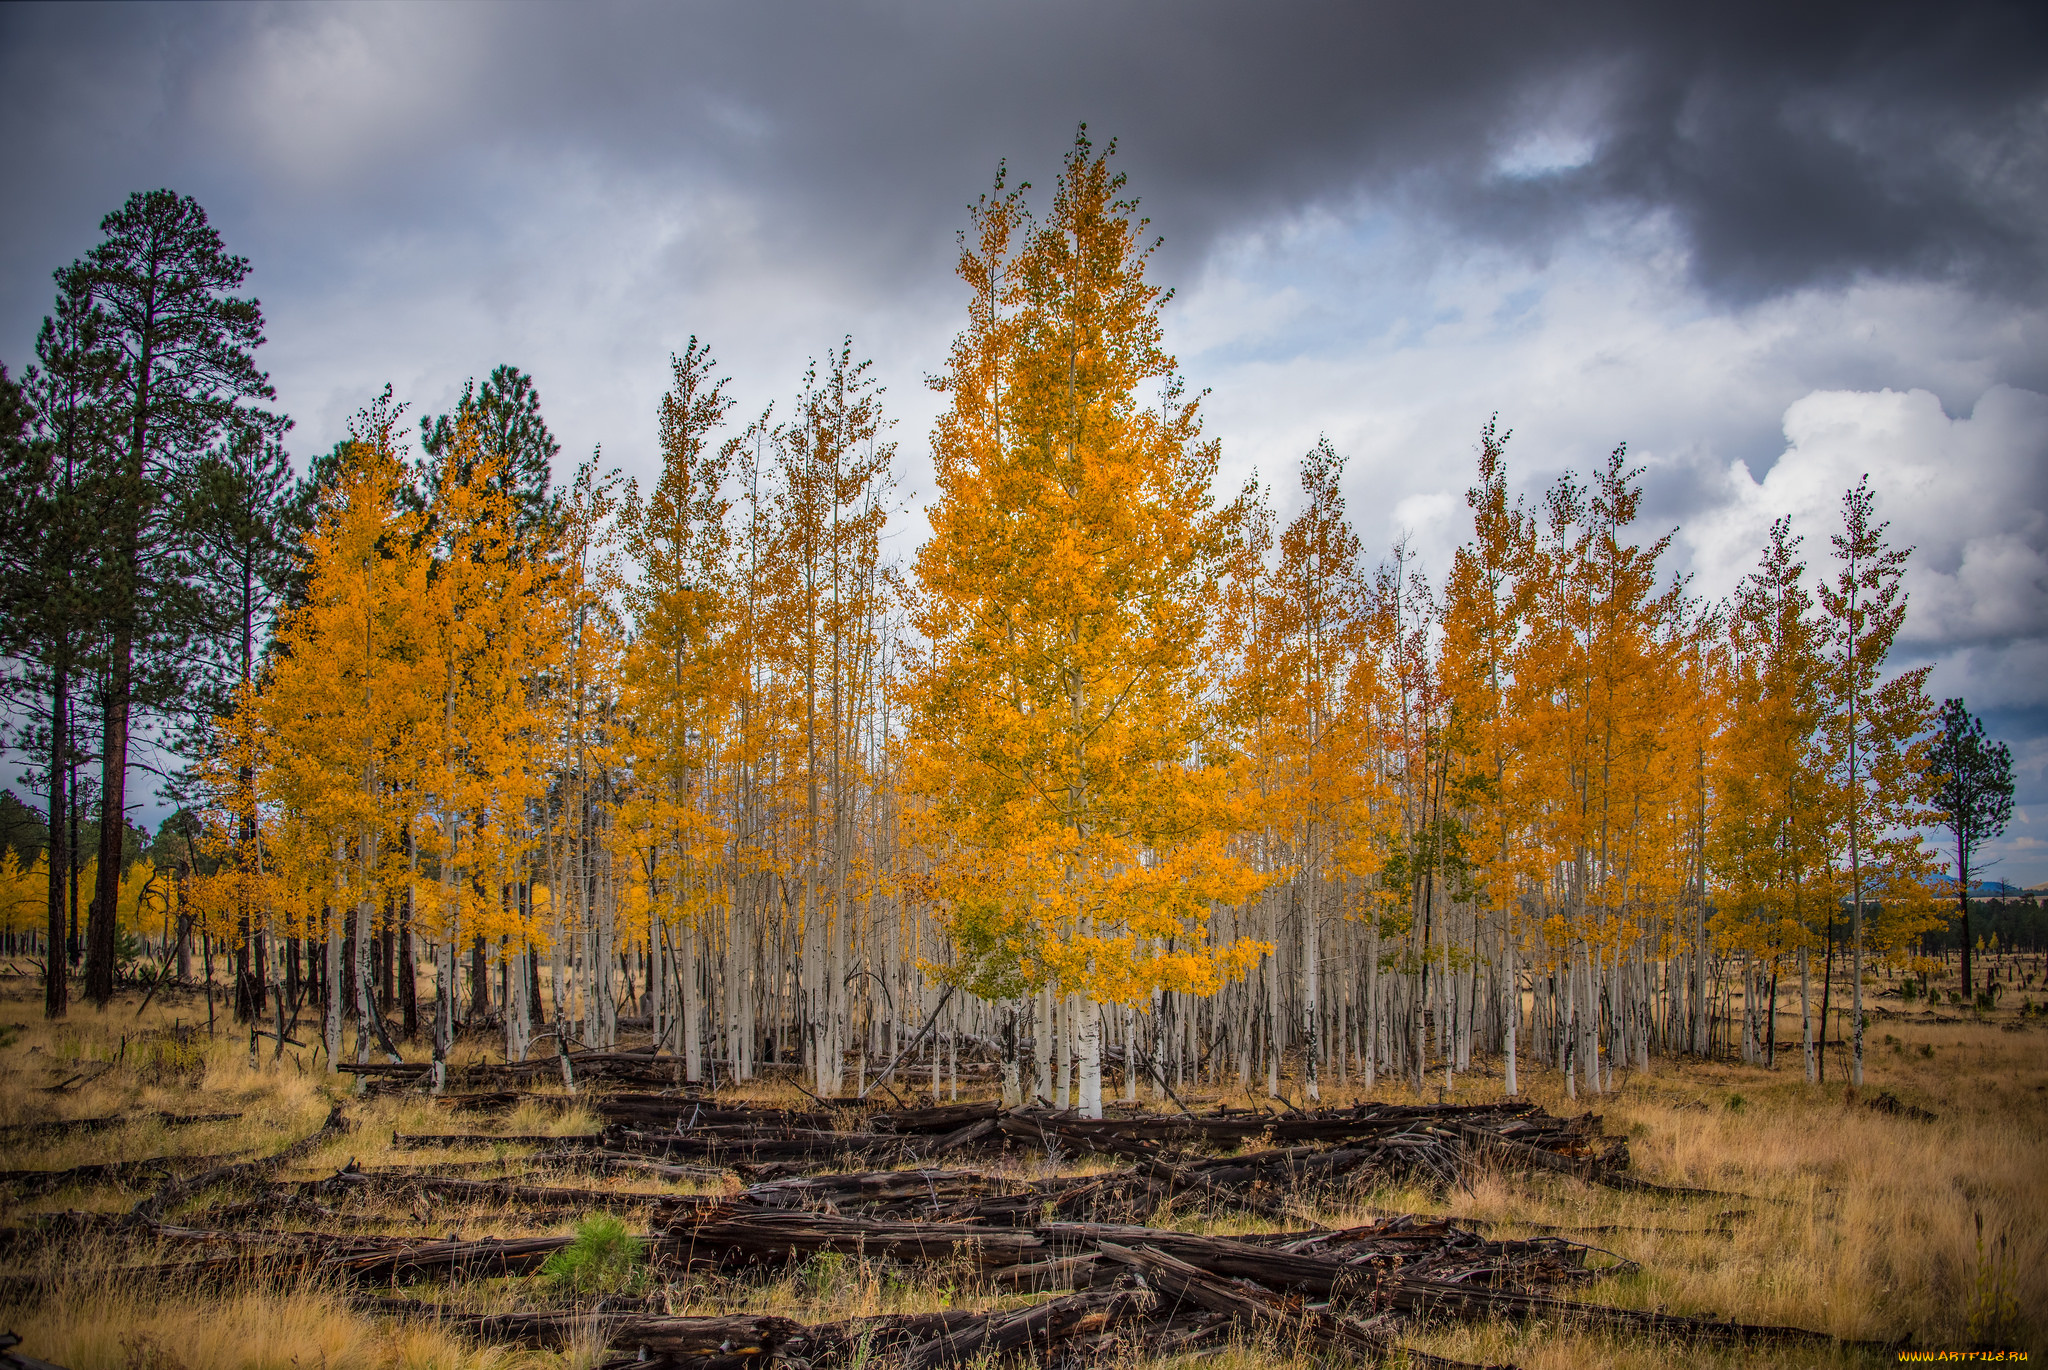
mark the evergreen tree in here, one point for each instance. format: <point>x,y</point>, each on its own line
<point>506,416</point>
<point>184,347</point>
<point>1973,796</point>
<point>235,523</point>
<point>51,583</point>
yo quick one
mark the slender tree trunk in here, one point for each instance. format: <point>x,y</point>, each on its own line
<point>56,985</point>
<point>408,969</point>
<point>1091,1058</point>
<point>331,1001</point>
<point>1805,1015</point>
<point>686,972</point>
<point>1512,1011</point>
<point>1063,1052</point>
<point>1963,906</point>
<point>1311,992</point>
<point>1041,1048</point>
<point>1011,1033</point>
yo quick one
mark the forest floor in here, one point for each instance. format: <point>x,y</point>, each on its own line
<point>1871,1223</point>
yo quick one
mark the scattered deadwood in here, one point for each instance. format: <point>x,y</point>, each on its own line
<point>111,1172</point>
<point>763,1236</point>
<point>349,1181</point>
<point>1489,1146</point>
<point>626,1162</point>
<point>1122,1287</point>
<point>1303,1328</point>
<point>151,1208</point>
<point>1039,1328</point>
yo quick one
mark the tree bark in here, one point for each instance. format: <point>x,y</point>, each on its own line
<point>56,986</point>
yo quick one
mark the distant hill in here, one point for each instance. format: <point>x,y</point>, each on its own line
<point>1983,889</point>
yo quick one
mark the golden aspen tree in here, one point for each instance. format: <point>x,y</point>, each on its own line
<point>678,679</point>
<point>1775,809</point>
<point>1877,739</point>
<point>496,631</point>
<point>1059,725</point>
<point>827,592</point>
<point>1486,602</point>
<point>580,734</point>
<point>344,695</point>
<point>1315,777</point>
<point>1603,649</point>
<point>1425,864</point>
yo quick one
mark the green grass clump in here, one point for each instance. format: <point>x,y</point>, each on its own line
<point>605,1258</point>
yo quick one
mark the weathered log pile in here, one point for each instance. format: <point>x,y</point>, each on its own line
<point>1120,1285</point>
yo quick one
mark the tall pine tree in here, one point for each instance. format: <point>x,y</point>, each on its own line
<point>185,346</point>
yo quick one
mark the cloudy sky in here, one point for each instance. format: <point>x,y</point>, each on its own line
<point>1769,246</point>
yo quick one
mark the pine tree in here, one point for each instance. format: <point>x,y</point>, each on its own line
<point>1972,796</point>
<point>161,281</point>
<point>51,598</point>
<point>505,414</point>
<point>234,521</point>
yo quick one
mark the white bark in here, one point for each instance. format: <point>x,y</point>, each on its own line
<point>1091,1058</point>
<point>332,1026</point>
<point>1513,1012</point>
<point>1041,1048</point>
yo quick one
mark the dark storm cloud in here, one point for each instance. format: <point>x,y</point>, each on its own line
<point>1787,144</point>
<point>1791,144</point>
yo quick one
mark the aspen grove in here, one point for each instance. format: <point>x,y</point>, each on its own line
<point>1121,783</point>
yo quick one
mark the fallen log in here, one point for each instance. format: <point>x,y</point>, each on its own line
<point>929,1190</point>
<point>1391,1286</point>
<point>740,1336</point>
<point>415,1141</point>
<point>501,1191</point>
<point>752,1145</point>
<point>12,1130</point>
<point>1040,1328</point>
<point>109,1172</point>
<point>629,1162</point>
<point>486,1256</point>
<point>1316,1328</point>
<point>759,1236</point>
<point>850,1338</point>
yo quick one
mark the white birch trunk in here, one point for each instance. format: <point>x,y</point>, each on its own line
<point>1512,1012</point>
<point>1063,1053</point>
<point>690,1011</point>
<point>1311,996</point>
<point>332,1025</point>
<point>1041,1047</point>
<point>1091,1058</point>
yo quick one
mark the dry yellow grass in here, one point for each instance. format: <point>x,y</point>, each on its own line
<point>1860,1223</point>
